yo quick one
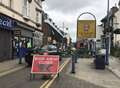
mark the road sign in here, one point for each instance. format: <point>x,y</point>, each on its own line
<point>86,29</point>
<point>45,64</point>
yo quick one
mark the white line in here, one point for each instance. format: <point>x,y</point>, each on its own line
<point>49,82</point>
<point>48,85</point>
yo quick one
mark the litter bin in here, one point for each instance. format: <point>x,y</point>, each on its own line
<point>100,59</point>
<point>100,62</point>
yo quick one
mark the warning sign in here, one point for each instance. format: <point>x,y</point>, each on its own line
<point>45,64</point>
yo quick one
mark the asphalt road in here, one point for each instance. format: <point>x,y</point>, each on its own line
<point>65,80</point>
<point>21,79</point>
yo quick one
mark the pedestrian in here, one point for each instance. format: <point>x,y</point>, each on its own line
<point>21,52</point>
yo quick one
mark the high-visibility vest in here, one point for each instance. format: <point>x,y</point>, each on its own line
<point>29,45</point>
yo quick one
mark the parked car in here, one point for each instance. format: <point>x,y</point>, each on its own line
<point>47,49</point>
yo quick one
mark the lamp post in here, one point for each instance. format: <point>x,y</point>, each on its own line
<point>63,37</point>
<point>108,36</point>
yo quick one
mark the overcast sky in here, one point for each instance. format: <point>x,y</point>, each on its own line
<point>67,11</point>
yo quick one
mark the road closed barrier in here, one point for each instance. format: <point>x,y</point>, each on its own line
<point>45,64</point>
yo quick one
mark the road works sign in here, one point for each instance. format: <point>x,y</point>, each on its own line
<point>45,64</point>
<point>86,29</point>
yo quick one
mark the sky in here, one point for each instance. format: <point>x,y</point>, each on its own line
<point>67,11</point>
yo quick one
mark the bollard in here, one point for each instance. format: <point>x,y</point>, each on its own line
<point>75,57</point>
<point>73,64</point>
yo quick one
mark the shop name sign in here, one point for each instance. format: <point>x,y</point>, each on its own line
<point>6,23</point>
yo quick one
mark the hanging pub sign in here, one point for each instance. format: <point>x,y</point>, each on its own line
<point>6,22</point>
<point>86,29</point>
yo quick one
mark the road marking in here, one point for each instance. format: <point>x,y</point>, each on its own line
<point>47,81</point>
<point>11,71</point>
<point>64,65</point>
<point>48,85</point>
<point>50,81</point>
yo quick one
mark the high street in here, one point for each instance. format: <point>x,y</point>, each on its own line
<point>86,76</point>
<point>59,43</point>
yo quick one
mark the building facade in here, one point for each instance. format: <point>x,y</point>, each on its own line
<point>116,27</point>
<point>52,34</point>
<point>108,25</point>
<point>20,23</point>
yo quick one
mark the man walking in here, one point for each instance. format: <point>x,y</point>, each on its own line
<point>21,52</point>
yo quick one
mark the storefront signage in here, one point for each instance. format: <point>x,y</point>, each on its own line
<point>45,64</point>
<point>6,22</point>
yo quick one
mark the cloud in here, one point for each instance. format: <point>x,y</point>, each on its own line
<point>67,11</point>
<point>68,6</point>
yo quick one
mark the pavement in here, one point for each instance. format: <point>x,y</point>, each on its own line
<point>9,66</point>
<point>114,66</point>
<point>107,78</point>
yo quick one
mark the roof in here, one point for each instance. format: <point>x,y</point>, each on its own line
<point>55,28</point>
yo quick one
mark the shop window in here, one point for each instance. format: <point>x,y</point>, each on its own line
<point>38,17</point>
<point>0,1</point>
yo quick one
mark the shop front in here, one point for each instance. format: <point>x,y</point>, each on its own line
<point>37,39</point>
<point>23,35</point>
<point>6,34</point>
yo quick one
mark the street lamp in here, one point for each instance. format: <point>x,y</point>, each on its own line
<point>108,36</point>
<point>108,5</point>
